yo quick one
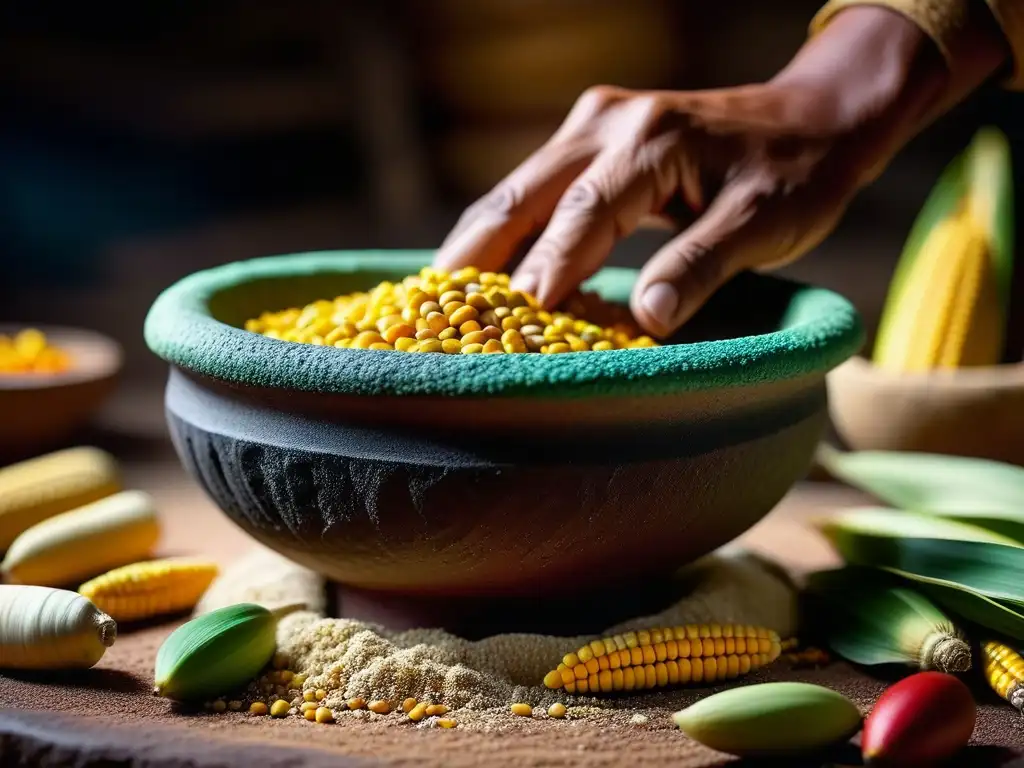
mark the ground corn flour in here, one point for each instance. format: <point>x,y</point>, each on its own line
<point>346,659</point>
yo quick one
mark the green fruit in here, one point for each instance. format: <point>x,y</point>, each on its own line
<point>216,653</point>
<point>770,719</point>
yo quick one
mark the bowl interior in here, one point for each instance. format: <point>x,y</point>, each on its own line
<point>748,306</point>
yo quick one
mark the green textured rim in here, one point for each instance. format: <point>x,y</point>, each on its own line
<point>821,330</point>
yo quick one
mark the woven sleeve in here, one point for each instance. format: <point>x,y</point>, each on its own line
<point>944,21</point>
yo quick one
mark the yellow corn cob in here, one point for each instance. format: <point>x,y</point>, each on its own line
<point>948,314</point>
<point>152,588</point>
<point>1004,671</point>
<point>665,656</point>
<point>78,544</point>
<point>34,490</point>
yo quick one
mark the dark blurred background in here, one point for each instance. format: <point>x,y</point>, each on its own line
<point>141,142</point>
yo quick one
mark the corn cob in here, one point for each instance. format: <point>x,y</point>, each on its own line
<point>948,300</point>
<point>34,490</point>
<point>153,588</point>
<point>78,544</point>
<point>665,656</point>
<point>1004,671</point>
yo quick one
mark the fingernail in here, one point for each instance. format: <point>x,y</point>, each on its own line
<point>525,283</point>
<point>660,301</point>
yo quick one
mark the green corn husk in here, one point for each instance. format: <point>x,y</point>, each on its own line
<point>989,494</point>
<point>869,618</point>
<point>969,570</point>
<point>217,652</point>
<point>980,177</point>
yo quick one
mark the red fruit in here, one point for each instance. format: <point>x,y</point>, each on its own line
<point>921,720</point>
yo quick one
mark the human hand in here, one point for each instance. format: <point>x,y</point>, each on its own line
<point>767,169</point>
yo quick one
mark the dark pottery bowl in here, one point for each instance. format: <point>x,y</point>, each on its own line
<point>428,477</point>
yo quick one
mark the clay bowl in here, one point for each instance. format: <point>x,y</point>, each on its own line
<point>976,412</point>
<point>427,477</point>
<point>39,411</point>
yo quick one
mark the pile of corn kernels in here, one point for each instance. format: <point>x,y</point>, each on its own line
<point>29,351</point>
<point>464,312</point>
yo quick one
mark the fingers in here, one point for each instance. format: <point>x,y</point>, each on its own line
<point>684,274</point>
<point>491,229</point>
<point>606,203</point>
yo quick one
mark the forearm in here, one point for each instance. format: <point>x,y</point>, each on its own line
<point>886,76</point>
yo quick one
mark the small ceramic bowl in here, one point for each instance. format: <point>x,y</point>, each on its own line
<point>975,412</point>
<point>41,410</point>
<point>493,475</point>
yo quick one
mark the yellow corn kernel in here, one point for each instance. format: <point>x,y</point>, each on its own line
<point>557,711</point>
<point>408,705</point>
<point>324,715</point>
<point>493,347</point>
<point>309,706</point>
<point>257,708</point>
<point>418,712</point>
<point>472,349</point>
<point>522,710</point>
<point>321,694</point>
<point>309,714</point>
<point>154,588</point>
<point>469,327</point>
<point>279,708</point>
<point>435,710</point>
<point>380,707</point>
<point>665,656</point>
<point>309,696</point>
<point>558,348</point>
<point>447,722</point>
<point>356,703</point>
<point>1004,671</point>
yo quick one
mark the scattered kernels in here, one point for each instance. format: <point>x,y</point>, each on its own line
<point>461,314</point>
<point>476,337</point>
<point>321,694</point>
<point>380,706</point>
<point>469,327</point>
<point>309,706</point>
<point>404,344</point>
<point>447,722</point>
<point>258,708</point>
<point>310,714</point>
<point>472,349</point>
<point>435,710</point>
<point>324,715</point>
<point>512,340</point>
<point>279,708</point>
<point>510,324</point>
<point>451,346</point>
<point>408,705</point>
<point>418,712</point>
<point>556,710</point>
<point>493,347</point>
<point>220,705</point>
<point>447,333</point>
<point>396,332</point>
<point>309,695</point>
<point>357,703</point>
<point>558,348</point>
<point>523,710</point>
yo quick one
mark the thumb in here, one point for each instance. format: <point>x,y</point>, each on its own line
<point>688,270</point>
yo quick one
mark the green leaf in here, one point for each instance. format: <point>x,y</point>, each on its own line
<point>870,617</point>
<point>934,547</point>
<point>968,604</point>
<point>985,493</point>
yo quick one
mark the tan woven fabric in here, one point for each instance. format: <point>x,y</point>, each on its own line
<point>944,22</point>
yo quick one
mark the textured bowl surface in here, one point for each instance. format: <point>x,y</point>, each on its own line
<point>499,474</point>
<point>38,411</point>
<point>975,412</point>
